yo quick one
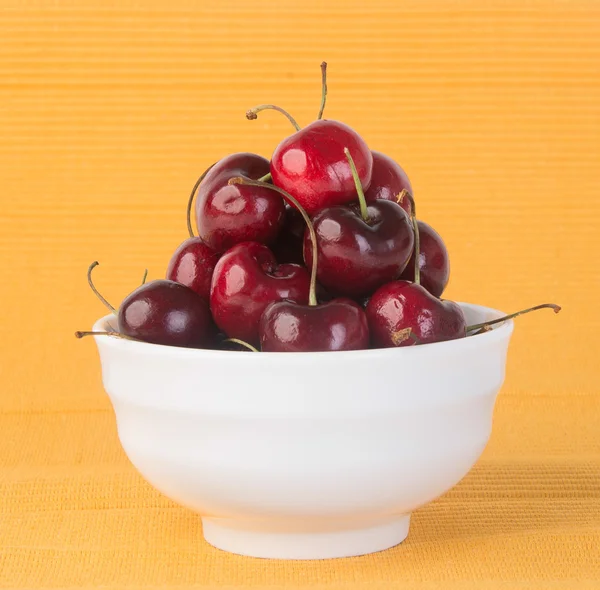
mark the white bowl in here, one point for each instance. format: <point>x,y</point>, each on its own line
<point>306,455</point>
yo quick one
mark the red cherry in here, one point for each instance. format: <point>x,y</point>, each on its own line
<point>192,265</point>
<point>356,257</point>
<point>161,312</point>
<point>388,181</point>
<point>340,324</point>
<point>360,247</point>
<point>245,281</point>
<point>403,314</point>
<point>434,264</point>
<point>311,165</point>
<point>229,214</point>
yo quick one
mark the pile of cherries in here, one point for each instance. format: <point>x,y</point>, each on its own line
<point>317,250</point>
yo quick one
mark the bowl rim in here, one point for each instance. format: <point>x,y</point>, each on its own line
<point>498,333</point>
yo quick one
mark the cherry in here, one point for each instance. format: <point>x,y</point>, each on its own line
<point>311,164</point>
<point>361,247</point>
<point>193,262</point>
<point>339,324</point>
<point>161,312</point>
<point>403,314</point>
<point>388,182</point>
<point>246,279</point>
<point>227,215</point>
<point>434,264</point>
<point>192,265</point>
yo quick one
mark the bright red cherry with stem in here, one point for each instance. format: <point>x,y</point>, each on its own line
<point>246,280</point>
<point>339,324</point>
<point>434,263</point>
<point>361,246</point>
<point>194,261</point>
<point>161,312</point>
<point>228,214</point>
<point>311,164</point>
<point>388,182</point>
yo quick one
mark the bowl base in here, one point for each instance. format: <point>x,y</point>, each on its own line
<point>255,541</point>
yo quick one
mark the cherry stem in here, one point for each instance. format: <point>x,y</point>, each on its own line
<point>96,292</point>
<point>145,277</point>
<point>359,190</point>
<point>191,200</point>
<point>252,114</point>
<point>323,89</point>
<point>241,343</point>
<point>265,178</point>
<point>404,194</point>
<point>312,294</point>
<point>107,333</point>
<point>552,306</point>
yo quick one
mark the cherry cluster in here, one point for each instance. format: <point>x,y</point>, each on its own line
<point>318,249</point>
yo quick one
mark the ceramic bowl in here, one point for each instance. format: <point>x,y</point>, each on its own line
<point>306,455</point>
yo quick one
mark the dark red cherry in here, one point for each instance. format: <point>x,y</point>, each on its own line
<point>288,246</point>
<point>357,256</point>
<point>160,312</point>
<point>404,314</point>
<point>311,165</point>
<point>388,180</point>
<point>340,324</point>
<point>245,281</point>
<point>434,263</point>
<point>192,265</point>
<point>229,214</point>
<point>166,312</point>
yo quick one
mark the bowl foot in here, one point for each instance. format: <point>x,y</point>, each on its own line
<point>252,540</point>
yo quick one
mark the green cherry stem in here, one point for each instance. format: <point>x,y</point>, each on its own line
<point>323,89</point>
<point>252,114</point>
<point>312,294</point>
<point>191,200</point>
<point>359,190</point>
<point>79,334</point>
<point>553,306</point>
<point>404,194</point>
<point>96,292</point>
<point>241,343</point>
<point>265,178</point>
<point>145,277</point>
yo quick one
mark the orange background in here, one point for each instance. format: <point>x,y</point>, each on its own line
<point>108,113</point>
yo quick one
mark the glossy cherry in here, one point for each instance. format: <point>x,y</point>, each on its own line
<point>311,164</point>
<point>404,314</point>
<point>361,246</point>
<point>246,280</point>
<point>339,324</point>
<point>434,263</point>
<point>388,181</point>
<point>163,312</point>
<point>229,214</point>
<point>192,265</point>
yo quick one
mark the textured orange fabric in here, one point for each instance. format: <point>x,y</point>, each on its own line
<point>110,110</point>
